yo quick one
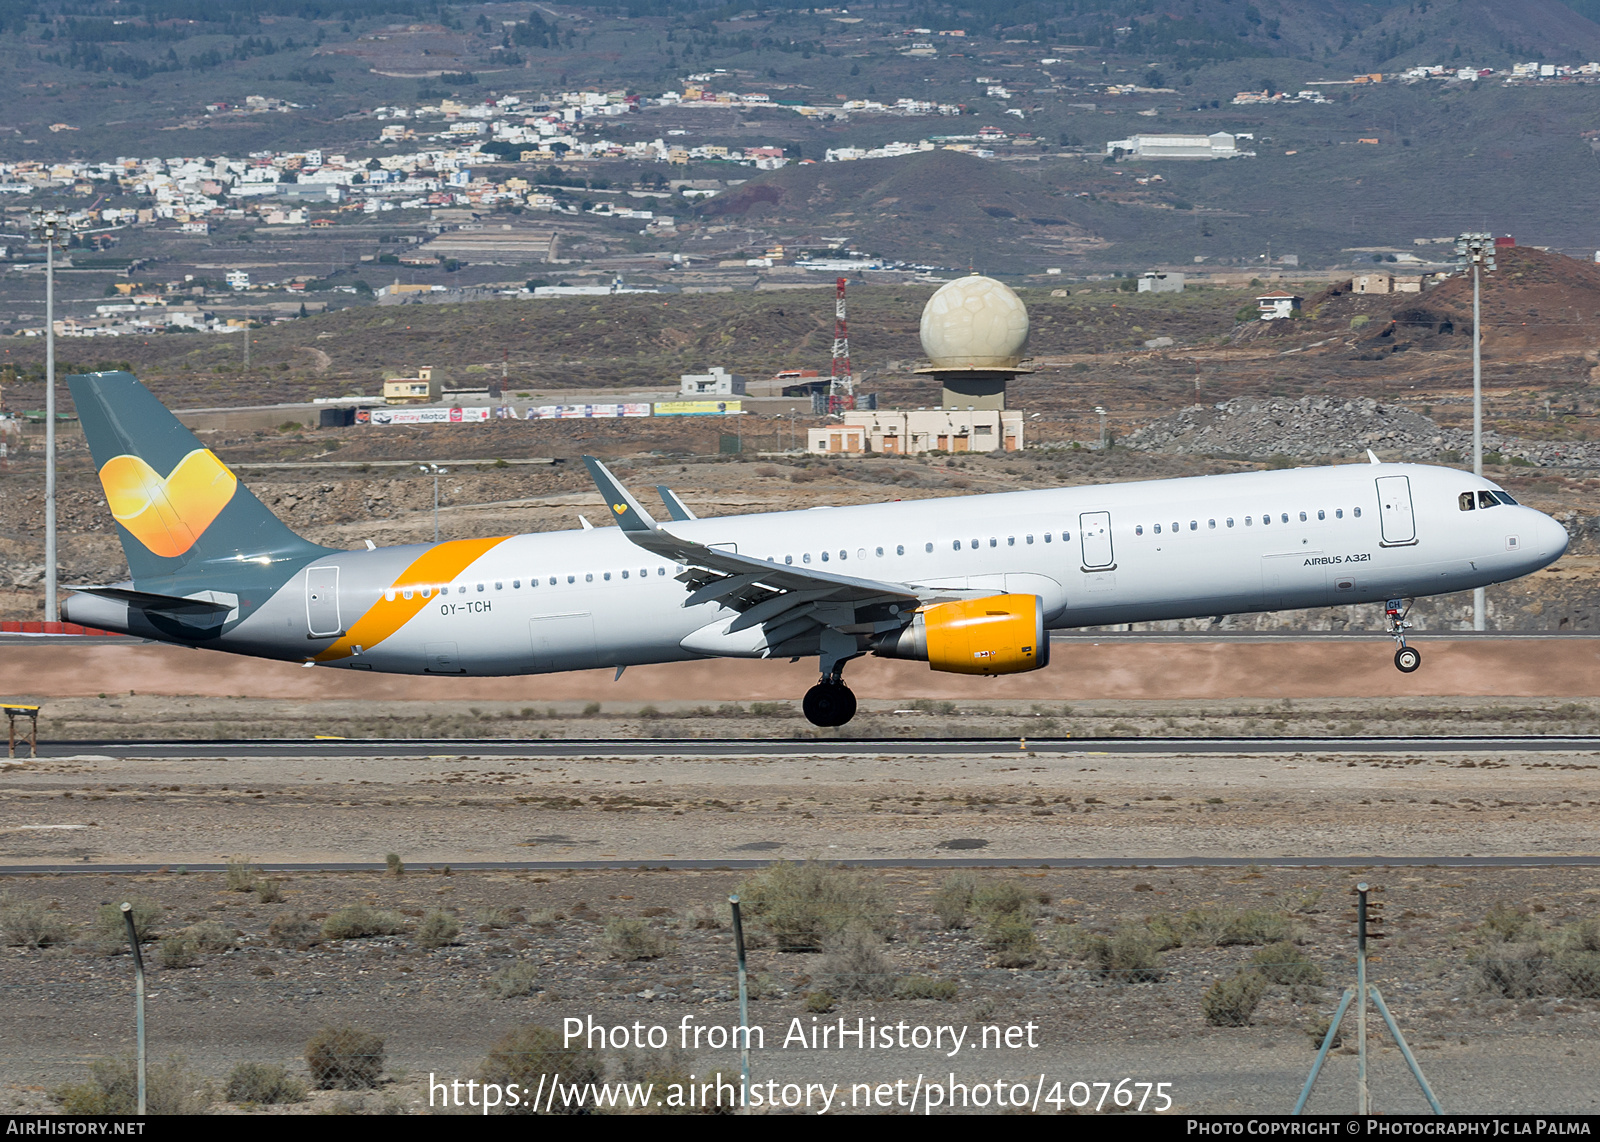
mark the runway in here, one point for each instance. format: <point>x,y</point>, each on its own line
<point>735,865</point>
<point>578,748</point>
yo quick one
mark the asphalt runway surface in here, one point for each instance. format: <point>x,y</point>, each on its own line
<point>809,747</point>
<point>1361,862</point>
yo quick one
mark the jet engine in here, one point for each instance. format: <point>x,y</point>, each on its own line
<point>1001,634</point>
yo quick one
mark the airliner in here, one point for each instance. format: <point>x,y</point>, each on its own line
<point>969,585</point>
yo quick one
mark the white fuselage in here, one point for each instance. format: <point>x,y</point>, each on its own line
<point>1118,553</point>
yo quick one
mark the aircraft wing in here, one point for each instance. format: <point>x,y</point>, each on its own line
<point>767,593</point>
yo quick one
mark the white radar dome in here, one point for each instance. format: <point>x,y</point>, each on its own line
<point>974,322</point>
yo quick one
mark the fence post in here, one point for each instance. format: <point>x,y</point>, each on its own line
<point>138,992</point>
<point>744,1004</point>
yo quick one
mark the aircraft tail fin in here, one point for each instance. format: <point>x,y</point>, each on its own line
<point>186,522</point>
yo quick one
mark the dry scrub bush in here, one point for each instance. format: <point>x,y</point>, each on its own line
<point>818,1002</point>
<point>633,940</point>
<point>146,915</point>
<point>1131,953</point>
<point>293,930</point>
<point>495,917</point>
<point>856,966</point>
<point>394,864</point>
<point>1286,964</point>
<point>671,1072</point>
<point>264,1084</point>
<point>209,936</point>
<point>523,1056</point>
<point>343,1058</point>
<point>994,898</point>
<point>438,929</point>
<point>113,1088</point>
<point>1509,923</point>
<point>1011,938</point>
<point>269,892</point>
<point>29,924</point>
<point>1223,927</point>
<point>240,876</point>
<point>924,987</point>
<point>360,921</point>
<point>698,916</point>
<point>954,898</point>
<point>805,906</point>
<point>176,951</point>
<point>1231,1002</point>
<point>518,979</point>
<point>1563,962</point>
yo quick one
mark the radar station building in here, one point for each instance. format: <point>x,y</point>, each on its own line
<point>974,331</point>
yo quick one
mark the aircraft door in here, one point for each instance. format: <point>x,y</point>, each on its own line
<point>442,658</point>
<point>322,602</point>
<point>1094,532</point>
<point>563,642</point>
<point>1398,523</point>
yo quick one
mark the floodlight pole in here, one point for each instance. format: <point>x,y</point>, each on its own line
<point>1478,249</point>
<point>436,470</point>
<point>47,224</point>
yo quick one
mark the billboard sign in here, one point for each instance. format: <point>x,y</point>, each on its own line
<point>428,415</point>
<point>585,411</point>
<point>698,407</point>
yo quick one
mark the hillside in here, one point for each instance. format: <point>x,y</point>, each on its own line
<point>950,206</point>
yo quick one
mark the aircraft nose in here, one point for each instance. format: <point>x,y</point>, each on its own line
<point>1551,538</point>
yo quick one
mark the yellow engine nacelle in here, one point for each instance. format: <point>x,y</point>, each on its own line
<point>1001,634</point>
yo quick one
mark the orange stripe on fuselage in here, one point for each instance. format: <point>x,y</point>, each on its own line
<point>434,567</point>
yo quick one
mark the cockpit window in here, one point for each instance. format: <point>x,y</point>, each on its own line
<point>1505,499</point>
<point>1466,501</point>
<point>1487,500</point>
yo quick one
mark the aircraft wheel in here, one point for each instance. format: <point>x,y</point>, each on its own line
<point>1407,659</point>
<point>829,704</point>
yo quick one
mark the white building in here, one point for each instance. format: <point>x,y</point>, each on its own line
<point>1156,281</point>
<point>1220,145</point>
<point>902,432</point>
<point>718,382</point>
<point>1276,305</point>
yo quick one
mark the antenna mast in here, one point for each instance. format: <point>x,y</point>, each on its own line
<point>843,383</point>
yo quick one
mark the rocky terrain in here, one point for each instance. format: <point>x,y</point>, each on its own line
<point>1327,428</point>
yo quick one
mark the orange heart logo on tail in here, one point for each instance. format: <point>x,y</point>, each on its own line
<point>167,514</point>
<point>620,509</point>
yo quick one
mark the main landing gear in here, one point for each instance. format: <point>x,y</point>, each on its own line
<point>1407,658</point>
<point>830,702</point>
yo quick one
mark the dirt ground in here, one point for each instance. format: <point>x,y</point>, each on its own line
<point>438,1013</point>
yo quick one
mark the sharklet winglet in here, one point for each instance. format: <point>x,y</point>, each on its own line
<point>628,512</point>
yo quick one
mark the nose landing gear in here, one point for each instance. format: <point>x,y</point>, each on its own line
<point>1406,658</point>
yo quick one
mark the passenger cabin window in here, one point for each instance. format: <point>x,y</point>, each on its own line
<point>1338,513</point>
<point>1158,529</point>
<point>1138,529</point>
<point>1230,521</point>
<point>1047,537</point>
<point>1356,512</point>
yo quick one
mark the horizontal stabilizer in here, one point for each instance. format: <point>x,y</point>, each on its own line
<point>170,604</point>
